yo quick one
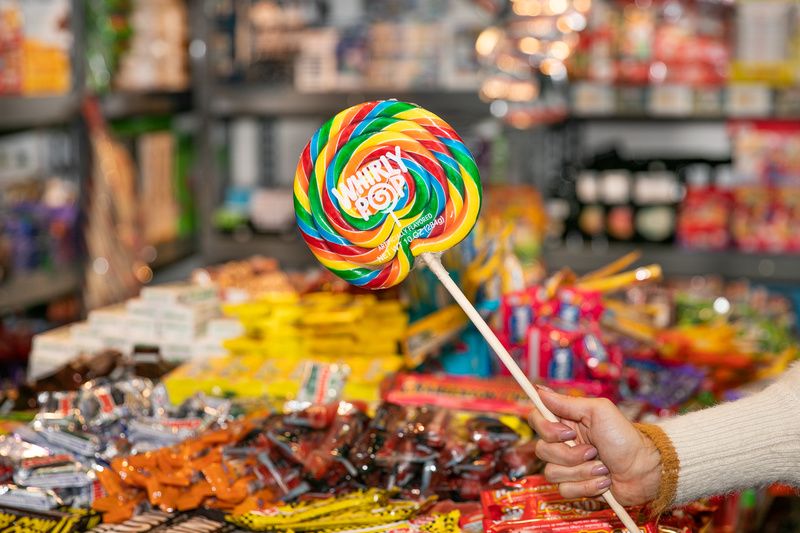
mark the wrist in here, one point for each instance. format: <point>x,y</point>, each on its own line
<point>660,466</point>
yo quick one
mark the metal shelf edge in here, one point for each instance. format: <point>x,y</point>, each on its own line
<point>126,104</point>
<point>675,261</point>
<point>25,290</point>
<point>19,112</point>
<point>239,100</point>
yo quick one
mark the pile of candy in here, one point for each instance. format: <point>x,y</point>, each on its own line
<point>284,333</point>
<point>57,458</point>
<point>555,329</point>
<point>246,280</point>
<point>337,447</point>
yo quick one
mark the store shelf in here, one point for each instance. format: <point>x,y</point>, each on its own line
<point>679,262</point>
<point>169,253</point>
<point>24,290</point>
<point>657,119</point>
<point>127,104</point>
<point>271,101</point>
<point>18,112</point>
<point>290,250</point>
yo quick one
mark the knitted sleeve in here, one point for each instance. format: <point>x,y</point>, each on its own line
<point>746,443</point>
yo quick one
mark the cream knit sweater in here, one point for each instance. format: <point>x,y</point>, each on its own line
<point>747,443</point>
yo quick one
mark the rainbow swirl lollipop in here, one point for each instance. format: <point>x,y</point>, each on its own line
<point>380,184</point>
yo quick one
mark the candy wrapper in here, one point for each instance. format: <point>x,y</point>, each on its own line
<point>369,510</point>
<point>157,521</point>
<point>57,521</point>
<point>534,504</point>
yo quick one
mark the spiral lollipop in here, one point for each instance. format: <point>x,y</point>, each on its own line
<point>383,183</point>
<point>380,184</point>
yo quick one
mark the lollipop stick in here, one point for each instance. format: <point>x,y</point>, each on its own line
<point>440,272</point>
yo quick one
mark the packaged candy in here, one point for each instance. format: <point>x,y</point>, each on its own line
<point>53,471</point>
<point>320,384</point>
<point>496,395</point>
<point>166,522</point>
<point>55,521</point>
<point>534,504</point>
<point>371,509</point>
<point>490,434</point>
<point>593,525</point>
<point>508,502</point>
<point>31,499</point>
<point>551,352</point>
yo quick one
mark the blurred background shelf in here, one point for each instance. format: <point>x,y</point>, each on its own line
<point>18,112</point>
<point>676,261</point>
<point>289,249</point>
<point>25,290</point>
<point>676,118</point>
<point>169,253</point>
<point>127,104</point>
<point>230,100</point>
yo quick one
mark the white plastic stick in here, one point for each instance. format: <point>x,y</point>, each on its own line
<point>440,272</point>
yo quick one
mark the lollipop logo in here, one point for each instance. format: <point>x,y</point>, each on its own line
<point>375,187</point>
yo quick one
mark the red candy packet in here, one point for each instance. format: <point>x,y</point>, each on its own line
<point>534,504</point>
<point>497,395</point>
<point>589,525</point>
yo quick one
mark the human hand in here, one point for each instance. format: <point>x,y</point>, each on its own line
<point>611,452</point>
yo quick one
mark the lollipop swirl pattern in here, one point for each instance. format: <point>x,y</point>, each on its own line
<point>382,196</point>
<point>380,184</point>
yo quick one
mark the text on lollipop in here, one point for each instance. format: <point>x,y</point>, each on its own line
<point>375,186</point>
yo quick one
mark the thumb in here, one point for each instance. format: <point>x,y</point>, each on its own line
<point>564,407</point>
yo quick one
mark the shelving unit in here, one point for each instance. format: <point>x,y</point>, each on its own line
<point>25,290</point>
<point>290,249</point>
<point>17,112</point>
<point>231,100</point>
<point>675,261</point>
<point>169,253</point>
<point>126,104</point>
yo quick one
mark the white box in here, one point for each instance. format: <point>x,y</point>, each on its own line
<point>174,331</point>
<point>140,308</point>
<point>82,335</point>
<point>177,351</point>
<point>180,293</point>
<point>108,321</point>
<point>123,345</point>
<point>142,329</point>
<point>194,314</point>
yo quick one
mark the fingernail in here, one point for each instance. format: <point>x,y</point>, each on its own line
<point>603,484</point>
<point>544,388</point>
<point>591,453</point>
<point>567,434</point>
<point>600,470</point>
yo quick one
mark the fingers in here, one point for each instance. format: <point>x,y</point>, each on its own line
<point>585,472</point>
<point>584,489</point>
<point>567,407</point>
<point>551,431</point>
<point>561,454</point>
